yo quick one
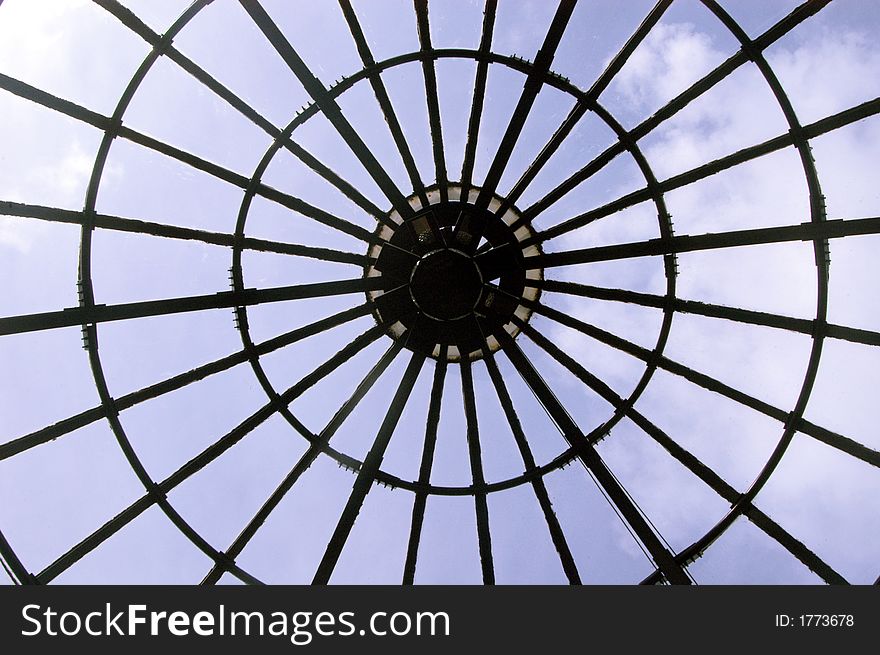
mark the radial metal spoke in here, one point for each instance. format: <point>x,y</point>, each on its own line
<point>207,456</point>
<point>305,461</point>
<point>369,468</point>
<point>136,25</point>
<point>678,103</point>
<point>556,533</point>
<point>164,230</point>
<point>747,316</point>
<point>103,313</point>
<point>585,102</point>
<point>433,100</point>
<point>687,459</point>
<point>327,104</point>
<point>484,536</point>
<point>531,88</point>
<point>836,121</point>
<point>176,382</point>
<point>420,501</point>
<point>66,107</point>
<point>470,151</point>
<point>621,500</point>
<point>812,231</point>
<point>384,100</point>
<point>709,383</point>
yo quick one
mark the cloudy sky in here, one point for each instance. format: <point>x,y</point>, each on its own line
<point>54,495</point>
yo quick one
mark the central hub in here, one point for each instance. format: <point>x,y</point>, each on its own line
<point>456,277</point>
<point>446,284</point>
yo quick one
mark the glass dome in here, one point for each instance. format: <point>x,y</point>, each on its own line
<point>448,292</point>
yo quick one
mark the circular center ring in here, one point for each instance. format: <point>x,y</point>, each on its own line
<point>446,284</point>
<point>459,277</point>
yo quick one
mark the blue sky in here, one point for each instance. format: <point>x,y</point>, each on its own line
<point>54,495</point>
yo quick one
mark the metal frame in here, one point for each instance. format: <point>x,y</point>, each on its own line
<point>669,566</point>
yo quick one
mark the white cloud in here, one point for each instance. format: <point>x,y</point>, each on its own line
<point>670,58</point>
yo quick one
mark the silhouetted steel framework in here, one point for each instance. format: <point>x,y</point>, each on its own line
<point>437,228</point>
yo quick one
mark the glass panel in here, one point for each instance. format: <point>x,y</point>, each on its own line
<point>313,506</point>
<point>220,500</point>
<point>778,278</point>
<point>65,484</point>
<point>148,549</point>
<point>141,183</point>
<point>766,363</point>
<point>769,562</point>
<point>37,250</point>
<point>168,431</point>
<point>59,380</point>
<point>449,553</point>
<point>523,550</point>
<point>376,549</point>
<point>817,492</point>
<point>830,63</point>
<point>389,25</point>
<point>174,107</point>
<point>224,41</point>
<point>142,352</point>
<point>456,23</point>
<point>851,300</point>
<point>74,50</point>
<point>677,502</point>
<point>604,551</point>
<point>843,399</point>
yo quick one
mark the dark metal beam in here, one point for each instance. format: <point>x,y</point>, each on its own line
<point>164,230</point>
<point>832,229</point>
<point>28,92</point>
<point>484,535</point>
<point>556,534</point>
<point>432,97</point>
<point>104,313</point>
<point>628,510</point>
<point>747,316</point>
<point>327,104</point>
<point>367,473</point>
<point>470,150</point>
<point>418,512</point>
<point>384,100</point>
